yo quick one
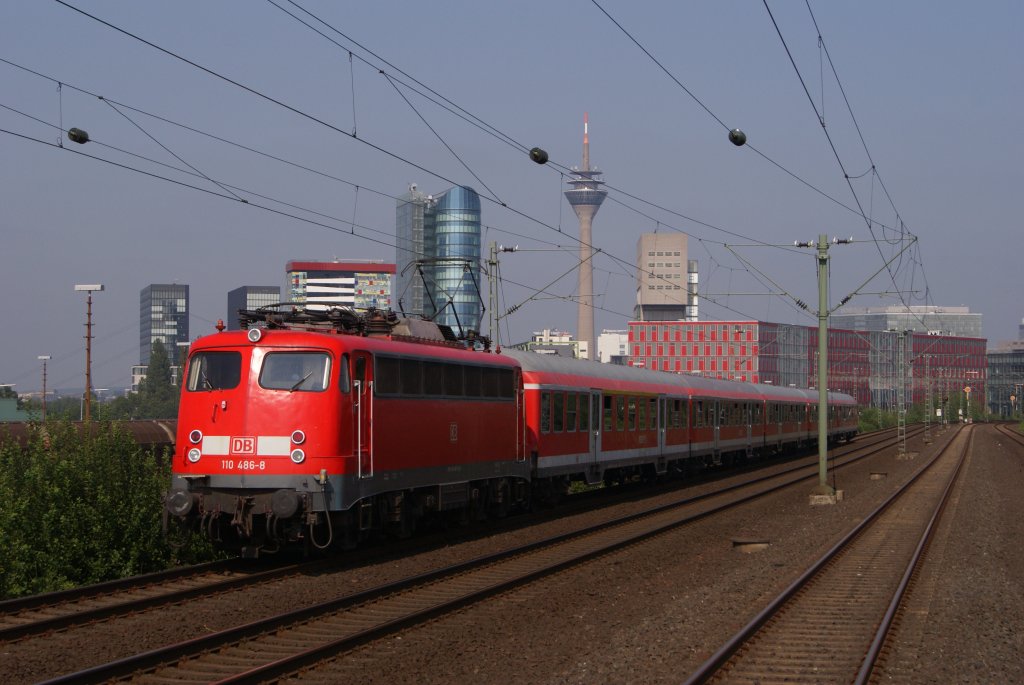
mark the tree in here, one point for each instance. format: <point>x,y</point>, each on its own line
<point>158,396</point>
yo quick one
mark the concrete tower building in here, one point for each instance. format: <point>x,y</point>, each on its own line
<point>586,196</point>
<point>662,277</point>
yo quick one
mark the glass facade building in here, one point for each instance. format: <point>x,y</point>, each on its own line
<point>456,283</point>
<point>250,297</point>
<point>163,316</point>
<point>949,321</point>
<point>442,236</point>
<point>414,233</point>
<point>1005,388</point>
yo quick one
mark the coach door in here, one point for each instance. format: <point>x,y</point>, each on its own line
<point>662,423</point>
<point>749,412</point>
<point>717,419</point>
<point>362,404</point>
<point>520,416</point>
<point>595,426</point>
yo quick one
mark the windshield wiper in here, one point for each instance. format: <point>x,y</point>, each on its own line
<point>300,382</point>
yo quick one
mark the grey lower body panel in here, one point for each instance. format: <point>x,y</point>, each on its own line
<point>342,492</point>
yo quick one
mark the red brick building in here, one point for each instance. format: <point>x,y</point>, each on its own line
<point>864,364</point>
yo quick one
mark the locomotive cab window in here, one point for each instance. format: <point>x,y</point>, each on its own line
<point>295,371</point>
<point>214,371</point>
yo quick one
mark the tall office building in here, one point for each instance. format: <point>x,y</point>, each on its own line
<point>662,279</point>
<point>586,195</point>
<point>250,297</point>
<point>438,257</point>
<point>362,284</point>
<point>163,316</point>
<point>414,233</point>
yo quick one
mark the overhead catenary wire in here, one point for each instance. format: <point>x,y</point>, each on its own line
<point>255,92</point>
<point>287,106</point>
<point>274,157</point>
<point>860,210</point>
<point>838,158</point>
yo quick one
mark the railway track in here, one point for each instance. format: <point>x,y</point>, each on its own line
<point>1011,433</point>
<point>284,644</point>
<point>831,624</point>
<point>46,613</point>
<point>50,612</point>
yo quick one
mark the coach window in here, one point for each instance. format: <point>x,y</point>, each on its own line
<point>412,377</point>
<point>698,414</point>
<point>570,412</point>
<point>343,381</point>
<point>214,371</point>
<point>608,412</point>
<point>545,412</point>
<point>433,378</point>
<point>558,411</point>
<point>360,371</point>
<point>473,381</point>
<point>295,371</point>
<point>620,413</point>
<point>388,376</point>
<point>453,380</point>
<point>641,414</point>
<point>506,383</point>
<point>491,382</point>
<point>584,413</point>
<point>652,414</point>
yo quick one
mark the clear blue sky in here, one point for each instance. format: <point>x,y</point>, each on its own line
<point>935,88</point>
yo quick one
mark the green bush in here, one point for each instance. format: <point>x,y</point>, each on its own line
<point>78,509</point>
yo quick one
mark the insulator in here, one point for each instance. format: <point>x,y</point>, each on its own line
<point>77,135</point>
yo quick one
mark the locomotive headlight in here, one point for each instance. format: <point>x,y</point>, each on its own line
<point>195,437</point>
<point>298,437</point>
<point>194,454</point>
<point>254,335</point>
<point>298,456</point>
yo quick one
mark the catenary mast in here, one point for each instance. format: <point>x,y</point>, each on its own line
<point>586,195</point>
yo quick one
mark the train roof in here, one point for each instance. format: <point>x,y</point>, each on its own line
<point>564,371</point>
<point>396,346</point>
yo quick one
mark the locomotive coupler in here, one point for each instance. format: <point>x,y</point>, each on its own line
<point>242,519</point>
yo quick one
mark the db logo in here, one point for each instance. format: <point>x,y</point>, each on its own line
<point>243,445</point>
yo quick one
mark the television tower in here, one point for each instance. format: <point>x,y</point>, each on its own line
<point>586,195</point>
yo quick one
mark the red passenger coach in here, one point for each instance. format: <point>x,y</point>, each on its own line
<point>598,422</point>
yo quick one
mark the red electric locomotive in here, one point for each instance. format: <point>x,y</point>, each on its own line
<point>322,427</point>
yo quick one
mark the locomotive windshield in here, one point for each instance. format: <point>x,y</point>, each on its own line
<point>295,371</point>
<point>214,371</point>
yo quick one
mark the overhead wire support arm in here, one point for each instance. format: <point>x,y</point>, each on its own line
<point>857,291</point>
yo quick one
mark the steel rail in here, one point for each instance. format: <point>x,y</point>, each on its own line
<point>172,654</point>
<point>721,657</point>
<point>868,665</point>
<point>102,612</point>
